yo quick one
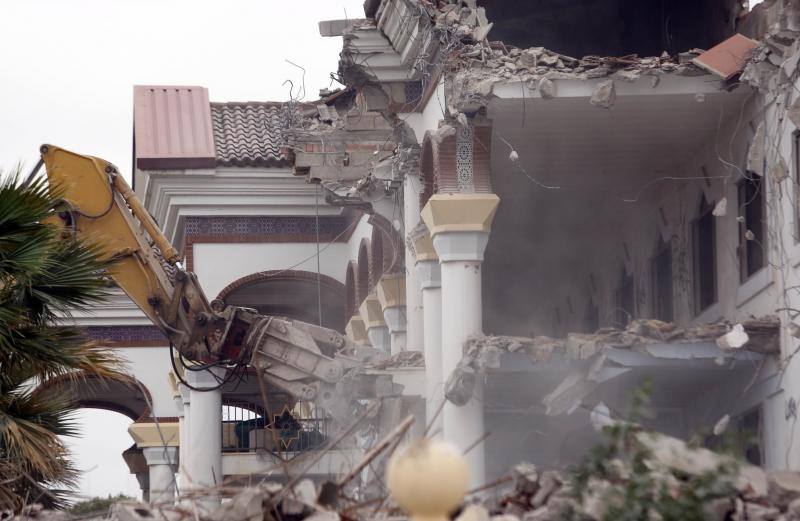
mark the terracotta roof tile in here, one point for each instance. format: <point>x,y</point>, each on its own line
<point>249,134</point>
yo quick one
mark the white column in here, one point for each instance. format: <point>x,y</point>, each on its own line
<point>459,225</point>
<point>161,465</point>
<point>431,283</point>
<point>205,435</point>
<point>184,458</point>
<point>379,338</point>
<point>461,255</point>
<point>377,331</point>
<point>391,292</point>
<point>143,478</point>
<point>411,190</point>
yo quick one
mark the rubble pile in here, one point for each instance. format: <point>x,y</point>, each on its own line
<point>476,63</point>
<point>666,474</point>
<point>398,360</point>
<point>676,475</point>
<point>774,61</point>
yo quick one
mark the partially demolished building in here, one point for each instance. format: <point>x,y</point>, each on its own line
<point>593,196</point>
<point>533,208</point>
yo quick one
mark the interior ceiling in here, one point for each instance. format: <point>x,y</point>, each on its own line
<point>612,27</point>
<point>567,142</point>
<point>600,159</point>
<point>297,299</point>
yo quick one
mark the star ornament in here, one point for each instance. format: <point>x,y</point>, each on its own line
<point>285,427</point>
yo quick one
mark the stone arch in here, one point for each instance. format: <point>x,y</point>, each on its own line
<point>292,294</point>
<point>453,151</point>
<point>376,260</point>
<point>426,171</point>
<point>362,274</point>
<point>392,242</point>
<point>350,303</point>
<point>125,395</point>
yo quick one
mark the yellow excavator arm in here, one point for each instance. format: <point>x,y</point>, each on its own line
<point>296,357</point>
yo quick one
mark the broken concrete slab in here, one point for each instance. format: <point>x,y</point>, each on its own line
<point>727,58</point>
<point>604,95</point>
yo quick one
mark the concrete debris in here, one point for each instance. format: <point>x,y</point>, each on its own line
<point>733,339</point>
<point>722,425</point>
<point>474,513</point>
<point>728,58</point>
<point>604,95</point>
<point>779,171</point>
<point>755,156</point>
<point>721,208</point>
<point>400,359</point>
<point>784,488</point>
<point>547,89</point>
<point>600,417</point>
<point>460,385</point>
<point>763,337</point>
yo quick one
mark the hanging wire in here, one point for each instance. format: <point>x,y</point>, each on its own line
<point>319,276</point>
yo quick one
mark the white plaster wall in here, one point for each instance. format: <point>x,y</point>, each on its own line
<point>430,116</point>
<point>151,365</point>
<point>217,265</point>
<point>363,230</point>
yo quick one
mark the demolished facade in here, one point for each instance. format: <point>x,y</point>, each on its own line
<point>525,233</point>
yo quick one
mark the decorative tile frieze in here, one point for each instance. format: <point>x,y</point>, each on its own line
<point>142,336</point>
<point>263,225</point>
<point>465,137</point>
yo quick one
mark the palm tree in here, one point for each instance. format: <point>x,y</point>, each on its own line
<point>45,274</point>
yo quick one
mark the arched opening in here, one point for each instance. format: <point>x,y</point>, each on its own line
<point>362,281</point>
<point>110,463</point>
<point>102,452</point>
<point>704,256</point>
<point>377,266</point>
<point>661,280</point>
<point>426,174</point>
<point>298,295</point>
<point>350,291</point>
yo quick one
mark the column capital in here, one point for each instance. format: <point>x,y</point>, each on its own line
<point>161,455</point>
<point>371,312</point>
<point>207,379</point>
<point>391,290</point>
<point>459,212</point>
<point>430,273</point>
<point>357,331</point>
<point>423,246</point>
<point>150,434</point>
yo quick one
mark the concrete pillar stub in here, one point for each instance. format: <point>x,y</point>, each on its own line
<point>459,225</point>
<point>161,462</point>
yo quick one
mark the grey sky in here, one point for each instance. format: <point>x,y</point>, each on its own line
<point>67,72</point>
<point>67,69</point>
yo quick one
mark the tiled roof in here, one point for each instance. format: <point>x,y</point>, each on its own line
<point>248,134</point>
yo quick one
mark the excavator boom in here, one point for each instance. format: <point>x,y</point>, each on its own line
<point>102,209</point>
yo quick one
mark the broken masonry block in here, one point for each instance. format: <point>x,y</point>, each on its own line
<point>460,385</point>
